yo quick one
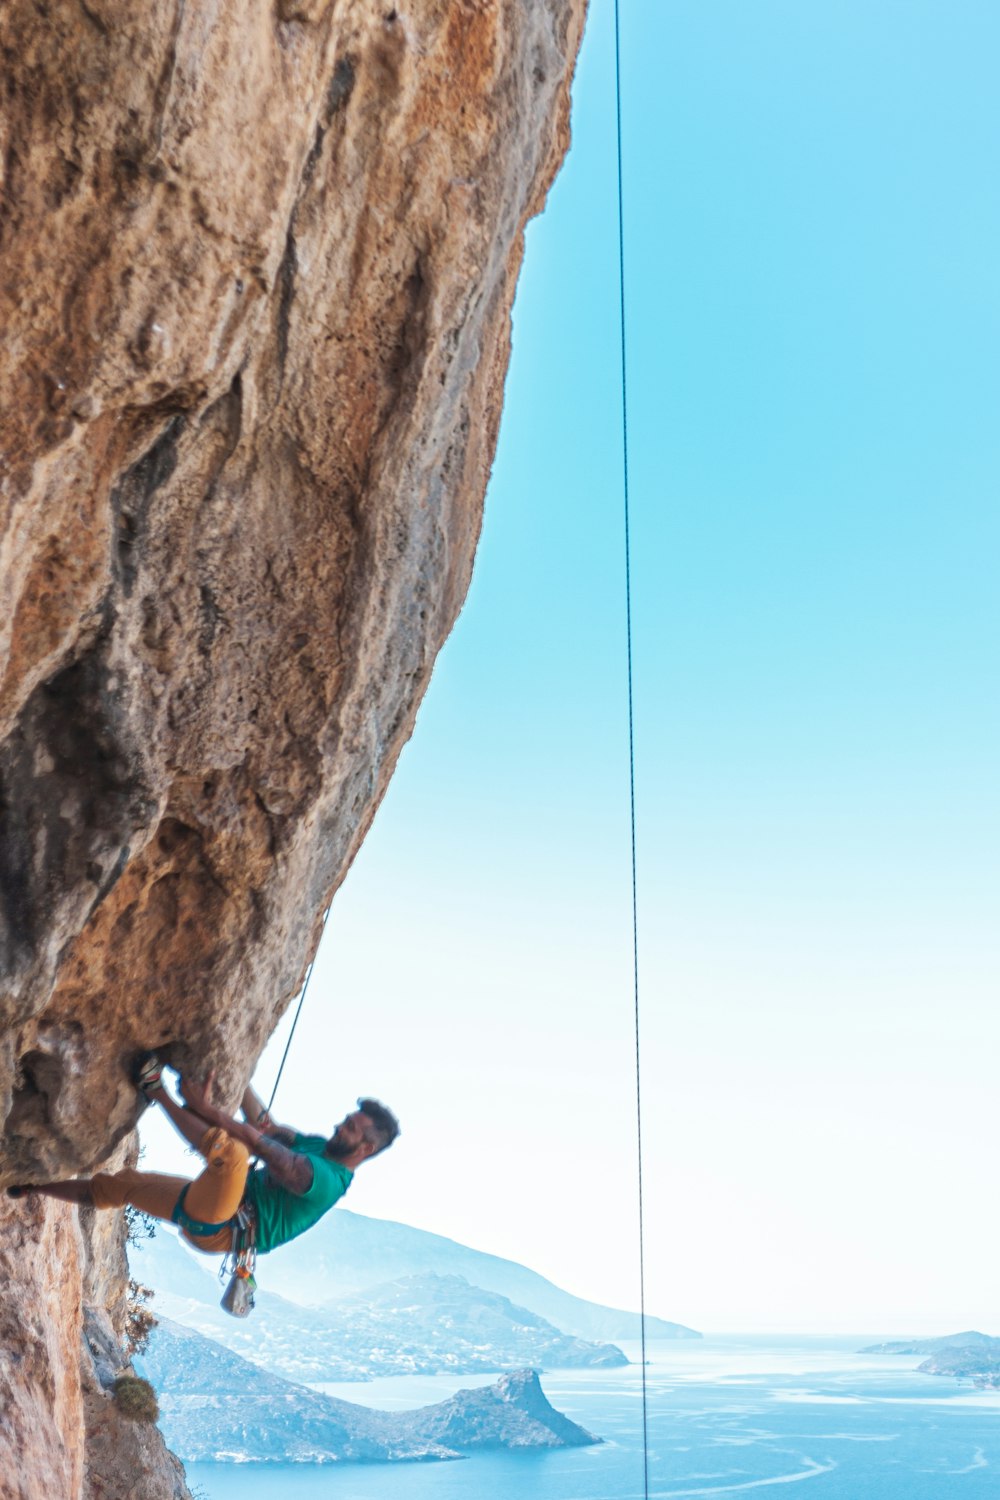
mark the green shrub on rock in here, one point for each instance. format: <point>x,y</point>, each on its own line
<point>136,1399</point>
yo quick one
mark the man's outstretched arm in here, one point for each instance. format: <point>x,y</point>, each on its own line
<point>254,1110</point>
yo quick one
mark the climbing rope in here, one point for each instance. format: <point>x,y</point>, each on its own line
<point>631,742</point>
<point>631,760</point>
<point>239,1263</point>
<point>298,1010</point>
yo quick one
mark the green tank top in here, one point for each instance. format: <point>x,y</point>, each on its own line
<point>282,1215</point>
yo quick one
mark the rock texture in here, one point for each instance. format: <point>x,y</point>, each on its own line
<point>257,267</point>
<point>41,1400</point>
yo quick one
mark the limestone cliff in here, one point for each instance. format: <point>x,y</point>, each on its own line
<point>258,258</point>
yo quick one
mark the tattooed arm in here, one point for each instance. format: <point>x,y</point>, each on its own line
<point>291,1169</point>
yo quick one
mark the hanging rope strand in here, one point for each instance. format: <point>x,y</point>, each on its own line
<point>298,1011</point>
<point>631,742</point>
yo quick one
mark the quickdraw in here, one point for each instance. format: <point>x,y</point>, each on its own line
<point>239,1264</point>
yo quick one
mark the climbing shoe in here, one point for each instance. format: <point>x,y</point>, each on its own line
<point>19,1190</point>
<point>147,1073</point>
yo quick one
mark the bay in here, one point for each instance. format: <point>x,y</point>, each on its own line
<point>725,1417</point>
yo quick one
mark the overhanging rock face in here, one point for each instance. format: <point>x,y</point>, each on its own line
<point>258,258</point>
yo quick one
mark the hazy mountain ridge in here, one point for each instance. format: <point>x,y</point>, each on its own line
<point>348,1252</point>
<point>217,1407</point>
<point>969,1340</point>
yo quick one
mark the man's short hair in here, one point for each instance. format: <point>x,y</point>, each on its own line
<point>385,1123</point>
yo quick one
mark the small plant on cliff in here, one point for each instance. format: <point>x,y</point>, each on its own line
<point>136,1399</point>
<point>139,1226</point>
<point>139,1320</point>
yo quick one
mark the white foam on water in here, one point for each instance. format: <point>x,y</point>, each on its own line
<point>979,1461</point>
<point>813,1471</point>
<point>987,1400</point>
<point>855,1437</point>
<point>814,1399</point>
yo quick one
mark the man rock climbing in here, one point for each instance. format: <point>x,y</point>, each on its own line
<point>297,1179</point>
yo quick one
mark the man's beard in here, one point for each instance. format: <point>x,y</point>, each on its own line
<point>336,1148</point>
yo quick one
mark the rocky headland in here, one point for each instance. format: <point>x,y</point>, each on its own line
<point>968,1356</point>
<point>219,1408</point>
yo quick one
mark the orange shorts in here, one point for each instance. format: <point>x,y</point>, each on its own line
<point>212,1197</point>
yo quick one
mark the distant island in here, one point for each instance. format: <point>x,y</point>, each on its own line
<point>968,1356</point>
<point>218,1408</point>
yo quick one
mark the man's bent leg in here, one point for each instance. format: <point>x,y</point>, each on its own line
<point>218,1192</point>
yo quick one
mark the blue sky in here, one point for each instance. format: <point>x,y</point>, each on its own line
<point>813,214</point>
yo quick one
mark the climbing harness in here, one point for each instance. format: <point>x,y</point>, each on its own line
<point>631,742</point>
<point>183,1219</point>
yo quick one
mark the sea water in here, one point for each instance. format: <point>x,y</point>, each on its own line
<point>724,1417</point>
